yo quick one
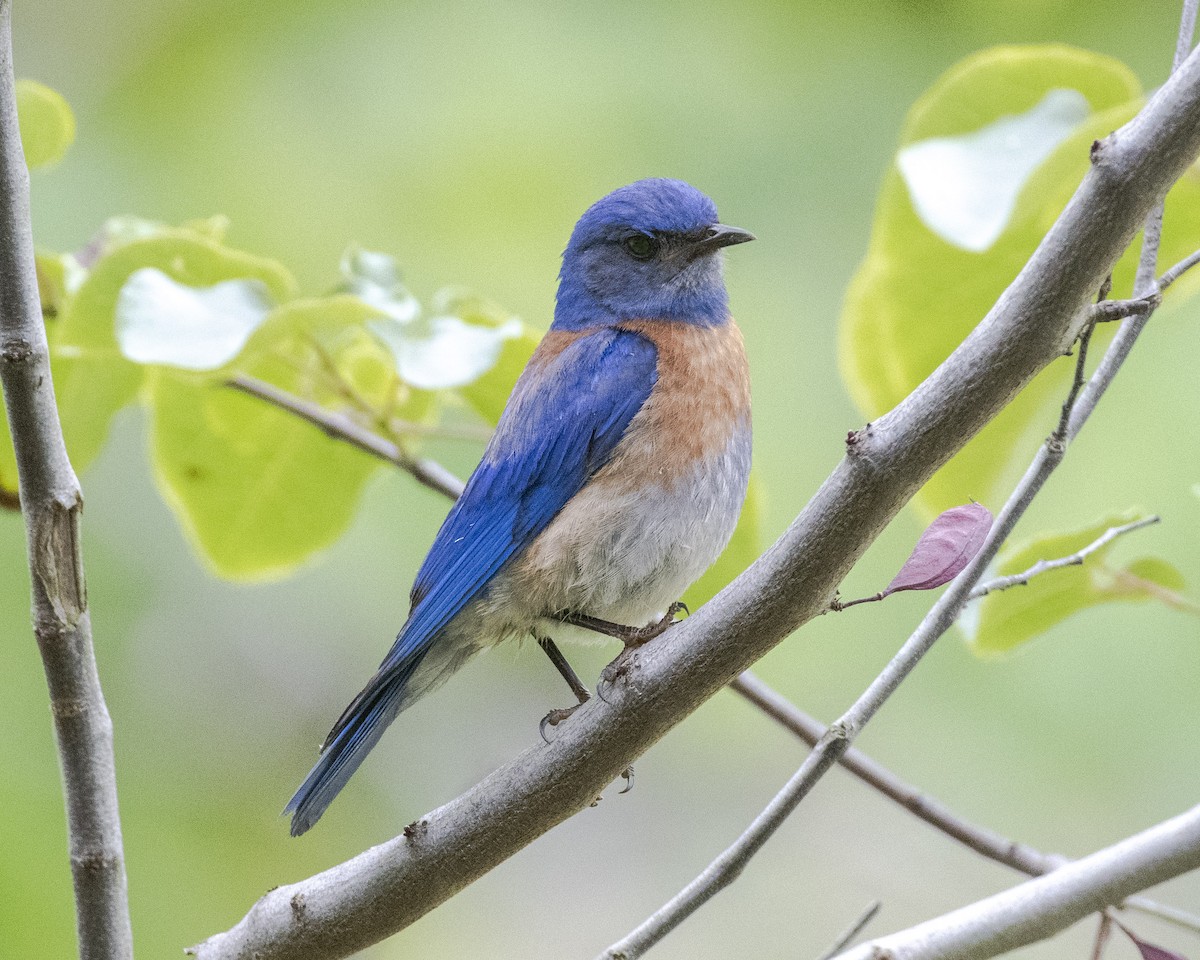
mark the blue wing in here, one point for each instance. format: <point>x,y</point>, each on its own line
<point>560,426</point>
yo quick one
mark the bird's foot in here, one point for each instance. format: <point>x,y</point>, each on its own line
<point>634,638</point>
<point>554,718</point>
<point>637,636</point>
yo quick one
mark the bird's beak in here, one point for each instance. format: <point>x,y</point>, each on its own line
<point>719,235</point>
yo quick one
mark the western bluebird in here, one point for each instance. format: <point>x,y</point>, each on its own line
<point>614,478</point>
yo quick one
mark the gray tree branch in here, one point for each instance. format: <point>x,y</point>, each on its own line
<point>1035,321</point>
<point>51,501</point>
<point>987,843</point>
<point>1049,904</point>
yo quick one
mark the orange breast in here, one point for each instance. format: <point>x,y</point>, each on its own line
<point>702,396</point>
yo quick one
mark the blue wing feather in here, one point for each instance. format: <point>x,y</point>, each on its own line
<point>560,426</point>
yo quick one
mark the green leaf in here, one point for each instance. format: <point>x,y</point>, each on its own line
<point>57,278</point>
<point>445,352</point>
<point>194,328</point>
<point>8,465</point>
<point>965,188</point>
<point>743,550</point>
<point>1006,619</point>
<point>257,489</point>
<point>93,379</point>
<point>918,294</point>
<point>375,278</point>
<point>47,123</point>
<point>450,346</point>
<point>488,393</point>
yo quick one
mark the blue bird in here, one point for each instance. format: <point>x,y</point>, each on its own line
<point>614,478</point>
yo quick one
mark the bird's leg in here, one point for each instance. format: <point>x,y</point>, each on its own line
<point>630,636</point>
<point>555,717</point>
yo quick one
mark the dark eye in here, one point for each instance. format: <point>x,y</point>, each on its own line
<point>641,247</point>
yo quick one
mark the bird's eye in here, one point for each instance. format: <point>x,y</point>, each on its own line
<point>641,247</point>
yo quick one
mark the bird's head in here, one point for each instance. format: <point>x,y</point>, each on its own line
<point>648,251</point>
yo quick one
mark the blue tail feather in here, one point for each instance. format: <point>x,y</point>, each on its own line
<point>356,732</point>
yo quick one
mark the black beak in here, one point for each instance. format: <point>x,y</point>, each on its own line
<point>719,235</point>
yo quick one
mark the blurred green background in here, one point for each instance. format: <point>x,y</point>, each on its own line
<point>466,140</point>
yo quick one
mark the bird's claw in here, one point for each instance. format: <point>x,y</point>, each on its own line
<point>617,670</point>
<point>554,718</point>
<point>627,774</point>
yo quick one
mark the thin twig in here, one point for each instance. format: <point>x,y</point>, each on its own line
<point>1011,853</point>
<point>837,606</point>
<point>1106,311</point>
<point>1059,436</point>
<point>983,841</point>
<point>1177,271</point>
<point>1074,560</point>
<point>1187,30</point>
<point>1103,932</point>
<point>52,503</point>
<point>850,934</point>
<point>427,472</point>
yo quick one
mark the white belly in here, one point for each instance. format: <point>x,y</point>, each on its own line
<point>626,556</point>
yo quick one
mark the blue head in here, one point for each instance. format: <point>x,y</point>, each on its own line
<point>648,251</point>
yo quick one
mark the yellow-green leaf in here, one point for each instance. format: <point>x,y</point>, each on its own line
<point>8,466</point>
<point>1006,619</point>
<point>47,123</point>
<point>918,294</point>
<point>489,393</point>
<point>92,377</point>
<point>257,489</point>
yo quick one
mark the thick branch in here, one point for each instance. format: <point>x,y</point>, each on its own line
<point>986,842</point>
<point>1041,908</point>
<point>52,502</point>
<point>384,889</point>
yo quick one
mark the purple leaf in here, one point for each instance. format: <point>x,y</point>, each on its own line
<point>1148,950</point>
<point>946,546</point>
